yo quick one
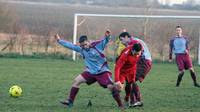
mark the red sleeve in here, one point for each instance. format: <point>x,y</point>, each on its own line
<point>120,62</point>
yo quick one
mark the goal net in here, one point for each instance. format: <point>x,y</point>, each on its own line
<point>155,30</point>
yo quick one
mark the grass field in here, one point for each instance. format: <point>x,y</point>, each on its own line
<point>45,82</point>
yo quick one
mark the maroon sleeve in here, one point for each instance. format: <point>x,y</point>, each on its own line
<point>171,48</point>
<point>187,43</point>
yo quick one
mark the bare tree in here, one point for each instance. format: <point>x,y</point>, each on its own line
<point>146,24</point>
<point>23,37</point>
<point>9,21</point>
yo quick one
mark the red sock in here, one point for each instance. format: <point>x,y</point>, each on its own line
<point>133,98</point>
<point>136,91</point>
<point>127,91</point>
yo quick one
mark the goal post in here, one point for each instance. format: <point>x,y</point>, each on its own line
<point>76,15</point>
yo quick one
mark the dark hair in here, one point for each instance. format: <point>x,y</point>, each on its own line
<point>82,38</point>
<point>123,34</point>
<point>137,47</point>
<point>178,26</point>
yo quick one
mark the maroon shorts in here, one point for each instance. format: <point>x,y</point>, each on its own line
<point>143,68</point>
<point>104,79</point>
<point>183,61</point>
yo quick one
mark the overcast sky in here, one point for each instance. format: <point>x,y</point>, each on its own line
<point>173,1</point>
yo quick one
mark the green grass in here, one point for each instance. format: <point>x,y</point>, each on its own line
<point>45,82</point>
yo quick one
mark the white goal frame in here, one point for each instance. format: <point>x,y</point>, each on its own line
<point>76,15</point>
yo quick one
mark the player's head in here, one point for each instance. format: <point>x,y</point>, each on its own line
<point>136,49</point>
<point>124,37</point>
<point>83,41</point>
<point>178,30</point>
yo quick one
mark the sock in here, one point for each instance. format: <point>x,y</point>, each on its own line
<point>73,93</point>
<point>132,97</point>
<point>193,77</point>
<point>127,91</point>
<point>136,91</point>
<point>116,96</point>
<point>179,78</point>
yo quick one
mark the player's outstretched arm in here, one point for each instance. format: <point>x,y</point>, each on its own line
<point>67,44</point>
<point>107,33</point>
<point>57,37</point>
<point>102,44</point>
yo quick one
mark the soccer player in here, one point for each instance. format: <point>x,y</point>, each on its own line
<point>179,45</point>
<point>119,46</point>
<point>143,67</point>
<point>125,68</point>
<point>96,67</point>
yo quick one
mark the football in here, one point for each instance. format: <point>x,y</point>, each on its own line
<point>15,91</point>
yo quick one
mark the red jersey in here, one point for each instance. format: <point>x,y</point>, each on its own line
<point>126,65</point>
<point>133,41</point>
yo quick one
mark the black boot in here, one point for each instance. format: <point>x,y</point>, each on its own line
<point>196,85</point>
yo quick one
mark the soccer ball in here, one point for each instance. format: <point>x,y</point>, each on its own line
<point>15,91</point>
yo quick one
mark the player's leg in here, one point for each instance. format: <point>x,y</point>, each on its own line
<point>181,67</point>
<point>179,79</point>
<point>193,75</point>
<point>135,96</point>
<point>82,78</point>
<point>143,68</point>
<point>127,92</point>
<point>188,65</point>
<point>115,94</point>
<point>105,81</point>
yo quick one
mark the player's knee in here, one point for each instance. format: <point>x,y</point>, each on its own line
<point>110,87</point>
<point>134,84</point>
<point>181,71</point>
<point>76,82</point>
<point>191,69</point>
<point>114,91</point>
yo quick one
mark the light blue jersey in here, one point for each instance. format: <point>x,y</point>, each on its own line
<point>179,45</point>
<point>94,58</point>
<point>146,53</point>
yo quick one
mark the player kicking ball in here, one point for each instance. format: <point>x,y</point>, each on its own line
<point>96,67</point>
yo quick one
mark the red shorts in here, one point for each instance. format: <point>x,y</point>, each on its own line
<point>128,76</point>
<point>104,79</point>
<point>183,61</point>
<point>143,68</point>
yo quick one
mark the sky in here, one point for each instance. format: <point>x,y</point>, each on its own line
<point>172,1</point>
